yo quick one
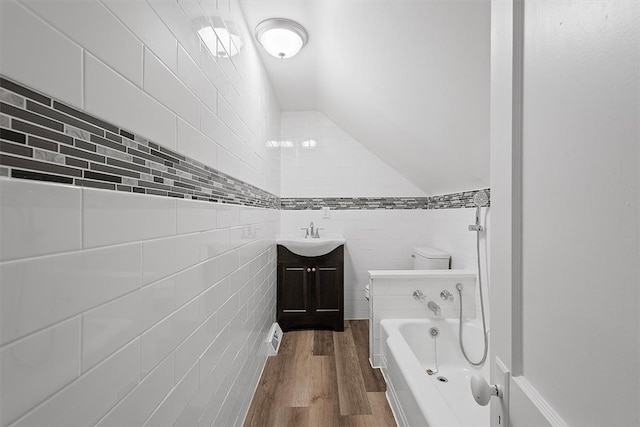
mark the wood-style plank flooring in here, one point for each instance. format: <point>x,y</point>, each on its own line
<point>321,379</point>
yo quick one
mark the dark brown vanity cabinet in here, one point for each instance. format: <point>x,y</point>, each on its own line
<point>310,290</point>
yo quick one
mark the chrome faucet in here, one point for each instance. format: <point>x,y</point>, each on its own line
<point>312,231</point>
<point>446,295</point>
<point>418,295</point>
<point>434,307</point>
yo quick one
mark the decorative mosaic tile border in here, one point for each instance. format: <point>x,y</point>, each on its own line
<point>354,203</point>
<point>46,140</point>
<point>457,200</point>
<point>446,201</point>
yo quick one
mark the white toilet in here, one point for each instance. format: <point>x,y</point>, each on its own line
<point>426,258</point>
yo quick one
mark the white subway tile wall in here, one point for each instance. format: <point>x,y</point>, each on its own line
<point>85,400</point>
<point>42,291</point>
<point>111,97</point>
<point>158,301</point>
<point>24,229</point>
<point>123,52</point>
<point>384,240</point>
<point>132,309</point>
<point>166,87</point>
<point>392,298</point>
<point>115,159</point>
<point>376,239</point>
<point>194,216</point>
<point>148,27</point>
<point>195,144</point>
<point>151,74</point>
<point>164,337</point>
<point>110,326</point>
<point>37,366</point>
<point>138,217</point>
<point>113,318</point>
<point>193,76</point>
<point>320,159</point>
<point>163,257</point>
<point>54,63</point>
<point>141,402</point>
<point>176,401</point>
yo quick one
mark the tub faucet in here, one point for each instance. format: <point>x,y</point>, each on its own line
<point>446,295</point>
<point>311,229</point>
<point>434,307</point>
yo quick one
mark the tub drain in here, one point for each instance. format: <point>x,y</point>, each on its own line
<point>442,379</point>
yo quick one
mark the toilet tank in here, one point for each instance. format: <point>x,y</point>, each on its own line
<point>430,259</point>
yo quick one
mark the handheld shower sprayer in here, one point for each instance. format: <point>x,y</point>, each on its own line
<point>480,199</point>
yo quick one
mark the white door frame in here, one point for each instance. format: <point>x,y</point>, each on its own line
<point>522,404</point>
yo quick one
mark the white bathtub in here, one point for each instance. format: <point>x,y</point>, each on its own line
<point>419,399</point>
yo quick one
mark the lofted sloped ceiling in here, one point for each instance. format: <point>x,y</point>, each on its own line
<point>408,79</point>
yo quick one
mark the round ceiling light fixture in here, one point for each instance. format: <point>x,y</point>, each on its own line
<point>222,38</point>
<point>282,38</point>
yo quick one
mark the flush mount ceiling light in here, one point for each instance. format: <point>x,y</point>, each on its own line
<point>282,38</point>
<point>222,39</point>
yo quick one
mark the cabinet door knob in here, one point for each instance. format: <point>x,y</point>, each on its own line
<point>308,270</point>
<point>313,269</point>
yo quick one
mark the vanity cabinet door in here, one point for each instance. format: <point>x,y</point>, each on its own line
<point>293,292</point>
<point>328,294</point>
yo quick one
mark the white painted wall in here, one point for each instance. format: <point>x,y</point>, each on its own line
<point>125,309</point>
<point>336,166</point>
<point>581,217</point>
<point>581,195</point>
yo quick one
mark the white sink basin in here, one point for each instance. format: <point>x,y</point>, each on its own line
<point>311,247</point>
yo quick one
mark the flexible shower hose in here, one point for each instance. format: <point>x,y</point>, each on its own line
<point>484,324</point>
